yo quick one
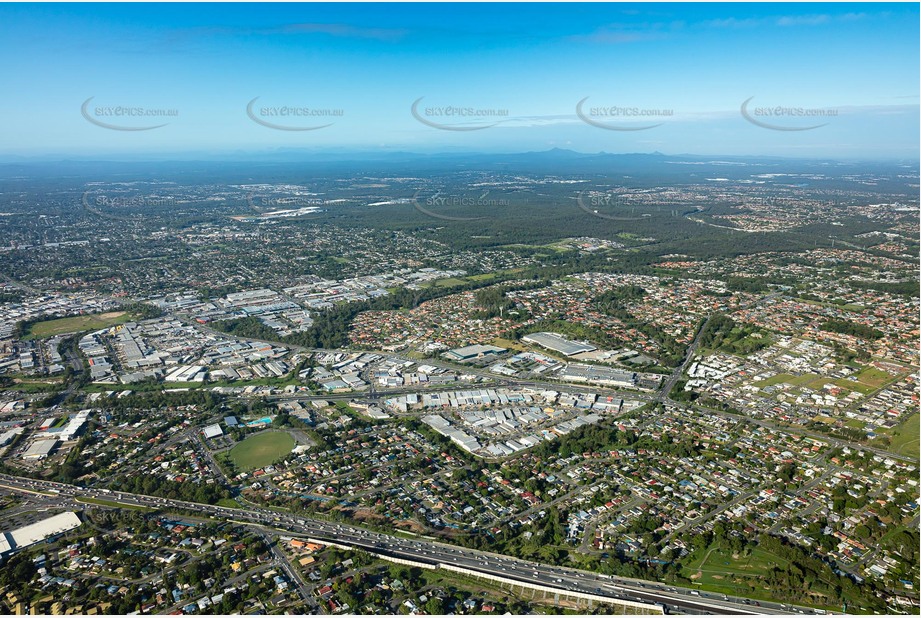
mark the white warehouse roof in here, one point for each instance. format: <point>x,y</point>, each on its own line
<point>212,431</point>
<point>39,531</point>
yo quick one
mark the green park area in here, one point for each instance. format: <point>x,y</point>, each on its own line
<point>789,379</point>
<point>112,503</point>
<point>450,282</point>
<point>719,570</point>
<point>77,323</point>
<point>854,386</point>
<point>261,449</point>
<point>871,376</point>
<point>905,437</point>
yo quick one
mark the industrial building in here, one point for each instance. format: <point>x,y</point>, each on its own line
<point>597,375</point>
<point>40,449</point>
<point>460,438</point>
<point>73,427</point>
<point>212,431</point>
<point>37,532</point>
<point>558,343</point>
<point>7,436</point>
<point>191,373</point>
<point>471,352</point>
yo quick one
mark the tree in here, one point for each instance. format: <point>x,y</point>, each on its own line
<point>434,606</point>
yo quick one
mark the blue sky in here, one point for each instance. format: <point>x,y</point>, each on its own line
<point>534,62</point>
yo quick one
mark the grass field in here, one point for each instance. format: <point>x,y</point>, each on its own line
<point>76,324</point>
<point>871,376</point>
<point>261,449</point>
<point>451,282</point>
<point>508,343</point>
<point>31,386</point>
<point>718,561</point>
<point>112,503</point>
<point>905,437</point>
<point>716,570</point>
<point>789,379</point>
<point>494,275</point>
<point>854,386</point>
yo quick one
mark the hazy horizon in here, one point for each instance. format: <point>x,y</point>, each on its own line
<point>791,80</point>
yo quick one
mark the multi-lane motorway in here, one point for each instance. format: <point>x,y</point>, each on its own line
<point>432,553</point>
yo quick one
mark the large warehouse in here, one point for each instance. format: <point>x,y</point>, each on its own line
<point>558,343</point>
<point>472,352</point>
<point>37,532</point>
<point>40,449</point>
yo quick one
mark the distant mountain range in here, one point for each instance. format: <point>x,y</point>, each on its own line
<point>556,160</point>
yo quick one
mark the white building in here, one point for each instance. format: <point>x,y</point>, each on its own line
<point>37,532</point>
<point>212,431</point>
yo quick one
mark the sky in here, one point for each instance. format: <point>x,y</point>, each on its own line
<point>827,80</point>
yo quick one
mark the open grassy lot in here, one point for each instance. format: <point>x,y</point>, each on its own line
<point>789,379</point>
<point>511,345</point>
<point>723,574</point>
<point>77,323</point>
<point>261,449</point>
<point>34,386</point>
<point>721,561</point>
<point>864,389</point>
<point>717,569</point>
<point>112,503</point>
<point>451,282</point>
<point>905,437</point>
<point>871,376</point>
